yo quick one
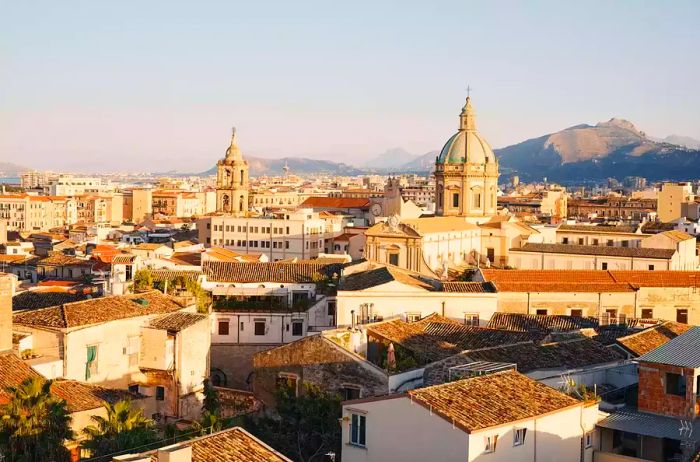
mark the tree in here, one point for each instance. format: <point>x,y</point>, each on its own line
<point>143,279</point>
<point>306,426</point>
<point>211,402</point>
<point>34,423</point>
<point>124,428</point>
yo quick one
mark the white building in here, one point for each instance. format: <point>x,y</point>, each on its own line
<point>502,416</point>
<point>300,234</point>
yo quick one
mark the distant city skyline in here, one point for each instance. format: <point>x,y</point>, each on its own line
<point>156,86</point>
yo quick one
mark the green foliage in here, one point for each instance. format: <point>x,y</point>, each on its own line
<point>578,391</point>
<point>143,279</point>
<point>34,424</point>
<point>211,402</point>
<point>306,426</point>
<point>124,428</point>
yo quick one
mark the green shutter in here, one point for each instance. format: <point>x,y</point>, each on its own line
<point>91,356</point>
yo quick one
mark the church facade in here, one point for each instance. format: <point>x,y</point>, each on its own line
<point>232,181</point>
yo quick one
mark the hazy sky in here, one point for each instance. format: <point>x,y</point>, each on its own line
<point>156,85</point>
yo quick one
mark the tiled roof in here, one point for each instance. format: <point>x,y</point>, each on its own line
<point>540,323</point>
<point>147,246</point>
<point>677,235</point>
<point>491,400</point>
<point>529,357</point>
<point>231,445</point>
<point>335,203</point>
<point>34,299</point>
<point>176,322</point>
<point>169,275</point>
<point>98,310</point>
<point>12,372</point>
<point>571,249</point>
<point>187,258</point>
<point>123,259</point>
<point>587,280</point>
<point>59,259</point>
<point>434,337</point>
<point>468,287</point>
<point>80,396</point>
<point>224,271</point>
<point>383,275</point>
<point>599,229</point>
<point>237,402</point>
<point>643,342</point>
<point>682,351</point>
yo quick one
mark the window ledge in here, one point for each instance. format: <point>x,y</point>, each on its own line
<point>357,445</point>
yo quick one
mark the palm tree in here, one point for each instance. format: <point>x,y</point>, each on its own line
<point>124,428</point>
<point>34,423</point>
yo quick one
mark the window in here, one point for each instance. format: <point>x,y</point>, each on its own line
<point>297,327</point>
<point>223,327</point>
<point>349,392</point>
<point>675,384</point>
<point>331,307</point>
<point>611,242</point>
<point>412,317</point>
<point>595,241</point>
<point>541,312</point>
<point>477,200</point>
<point>287,382</point>
<point>91,362</point>
<point>588,440</point>
<point>160,393</point>
<point>651,267</point>
<point>471,319</point>
<point>580,241</point>
<point>259,326</point>
<point>577,313</point>
<point>490,443</point>
<point>604,266</point>
<point>455,199</point>
<point>134,388</point>
<point>682,316</point>
<point>625,244</point>
<point>358,429</point>
<point>565,240</point>
<point>519,436</point>
<point>394,259</point>
<point>647,313</point>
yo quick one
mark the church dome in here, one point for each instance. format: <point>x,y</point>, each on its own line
<point>467,145</point>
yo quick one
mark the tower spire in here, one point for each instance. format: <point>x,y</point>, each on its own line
<point>233,151</point>
<point>467,118</point>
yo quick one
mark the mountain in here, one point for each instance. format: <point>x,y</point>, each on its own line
<point>390,159</point>
<point>609,149</point>
<point>8,169</point>
<point>297,166</point>
<point>424,163</point>
<point>685,141</point>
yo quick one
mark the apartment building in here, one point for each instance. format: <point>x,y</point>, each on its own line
<point>300,234</point>
<point>671,198</point>
<point>24,212</point>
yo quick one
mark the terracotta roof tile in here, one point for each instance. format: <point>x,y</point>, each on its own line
<point>177,322</point>
<point>335,203</point>
<point>435,337</point>
<point>99,310</point>
<point>35,299</point>
<point>572,249</point>
<point>382,275</point>
<point>80,396</point>
<point>643,342</point>
<point>491,400</point>
<point>468,287</point>
<point>223,271</point>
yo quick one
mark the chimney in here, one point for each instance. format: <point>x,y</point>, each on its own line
<point>175,453</point>
<point>7,288</point>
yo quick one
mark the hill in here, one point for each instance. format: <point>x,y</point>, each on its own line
<point>8,169</point>
<point>608,149</point>
<point>297,165</point>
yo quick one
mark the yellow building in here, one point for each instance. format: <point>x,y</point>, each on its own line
<point>671,196</point>
<point>466,173</point>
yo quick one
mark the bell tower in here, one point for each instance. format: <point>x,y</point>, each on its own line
<point>232,181</point>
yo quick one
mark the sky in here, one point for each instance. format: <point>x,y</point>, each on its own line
<point>156,85</point>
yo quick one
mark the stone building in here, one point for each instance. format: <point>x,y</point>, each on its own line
<point>232,181</point>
